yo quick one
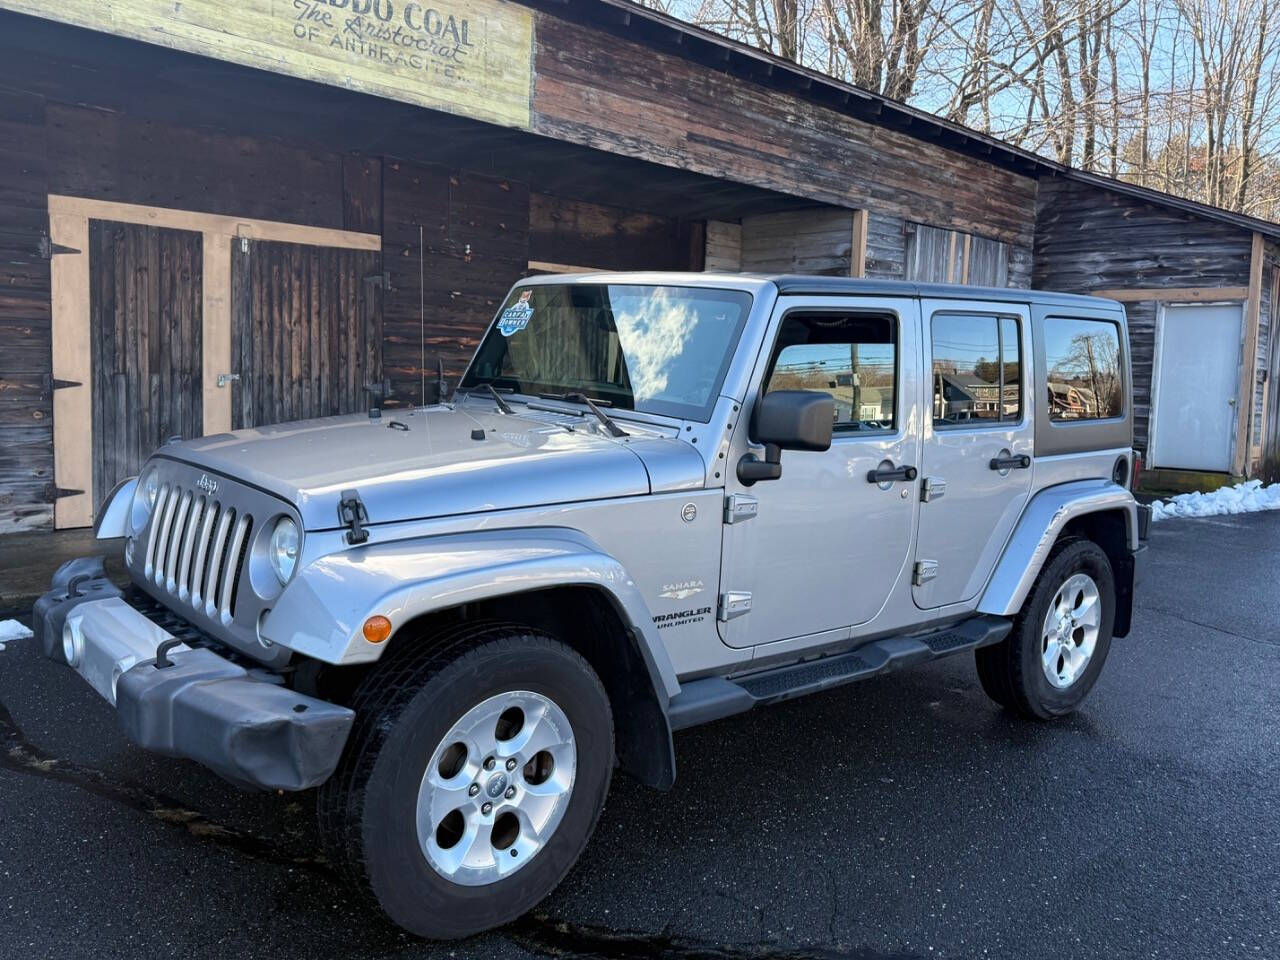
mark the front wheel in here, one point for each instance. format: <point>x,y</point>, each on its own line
<point>1060,639</point>
<point>474,777</point>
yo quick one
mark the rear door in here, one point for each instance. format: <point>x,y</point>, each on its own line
<point>975,471</point>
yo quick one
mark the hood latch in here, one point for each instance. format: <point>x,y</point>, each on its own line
<point>353,516</point>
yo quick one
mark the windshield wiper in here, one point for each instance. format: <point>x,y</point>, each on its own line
<point>489,388</point>
<point>604,418</point>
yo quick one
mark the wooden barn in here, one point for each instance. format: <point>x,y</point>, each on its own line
<point>218,215</point>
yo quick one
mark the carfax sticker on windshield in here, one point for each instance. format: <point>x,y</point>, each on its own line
<point>517,316</point>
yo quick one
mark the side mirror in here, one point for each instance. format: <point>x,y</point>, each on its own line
<point>787,420</point>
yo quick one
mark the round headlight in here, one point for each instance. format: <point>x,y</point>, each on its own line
<point>144,500</point>
<point>284,549</point>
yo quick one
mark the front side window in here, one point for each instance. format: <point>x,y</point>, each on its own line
<point>1083,361</point>
<point>656,349</point>
<point>977,370</point>
<point>853,357</point>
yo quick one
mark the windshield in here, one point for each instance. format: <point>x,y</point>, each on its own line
<point>656,349</point>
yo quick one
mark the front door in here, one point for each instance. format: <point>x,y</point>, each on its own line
<point>1196,384</point>
<point>975,471</point>
<point>826,545</point>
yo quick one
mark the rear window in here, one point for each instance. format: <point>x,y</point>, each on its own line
<point>1083,361</point>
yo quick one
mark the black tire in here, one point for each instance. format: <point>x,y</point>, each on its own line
<point>404,708</point>
<point>1011,673</point>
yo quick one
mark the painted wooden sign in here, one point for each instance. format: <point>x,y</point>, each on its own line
<point>471,57</point>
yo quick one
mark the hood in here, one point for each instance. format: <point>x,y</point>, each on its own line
<point>415,464</point>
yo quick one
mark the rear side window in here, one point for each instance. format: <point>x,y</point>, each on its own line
<point>1082,360</point>
<point>853,357</point>
<point>977,370</point>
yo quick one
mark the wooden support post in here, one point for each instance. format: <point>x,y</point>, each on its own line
<point>216,342</point>
<point>72,363</point>
<point>858,248</point>
<point>1249,362</point>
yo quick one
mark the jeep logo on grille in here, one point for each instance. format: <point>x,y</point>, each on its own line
<point>207,484</point>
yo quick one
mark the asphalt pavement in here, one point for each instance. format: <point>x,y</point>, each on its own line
<point>902,817</point>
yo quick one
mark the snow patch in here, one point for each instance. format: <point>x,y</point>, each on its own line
<point>12,630</point>
<point>1248,497</point>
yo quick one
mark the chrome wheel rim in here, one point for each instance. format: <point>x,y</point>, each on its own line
<point>497,788</point>
<point>1070,631</point>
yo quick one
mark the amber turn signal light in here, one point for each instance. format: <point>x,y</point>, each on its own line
<point>377,629</point>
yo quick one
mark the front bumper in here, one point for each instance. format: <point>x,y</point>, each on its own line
<point>244,724</point>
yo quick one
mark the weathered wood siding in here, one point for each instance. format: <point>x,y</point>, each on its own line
<point>1266,423</point>
<point>1088,239</point>
<point>453,243</point>
<point>579,234</point>
<point>26,396</point>
<point>611,93</point>
<point>886,246</point>
<point>724,247</point>
<point>108,156</point>
<point>817,241</point>
<point>306,331</point>
<point>146,344</point>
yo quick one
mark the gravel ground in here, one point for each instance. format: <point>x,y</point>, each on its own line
<point>902,817</point>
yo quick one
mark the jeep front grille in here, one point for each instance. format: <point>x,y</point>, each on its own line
<point>196,550</point>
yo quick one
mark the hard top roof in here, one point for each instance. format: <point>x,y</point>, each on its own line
<point>792,284</point>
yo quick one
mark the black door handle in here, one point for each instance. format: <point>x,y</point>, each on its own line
<point>889,474</point>
<point>1019,462</point>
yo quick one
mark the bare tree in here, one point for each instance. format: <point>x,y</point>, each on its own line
<point>1182,95</point>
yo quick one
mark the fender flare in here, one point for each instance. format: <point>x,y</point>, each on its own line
<point>321,612</point>
<point>1043,519</point>
<point>113,516</point>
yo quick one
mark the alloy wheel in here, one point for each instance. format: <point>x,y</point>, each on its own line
<point>497,787</point>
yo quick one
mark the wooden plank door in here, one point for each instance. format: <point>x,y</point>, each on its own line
<point>146,344</point>
<point>306,330</point>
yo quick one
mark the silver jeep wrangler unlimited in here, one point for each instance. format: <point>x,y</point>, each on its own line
<point>654,501</point>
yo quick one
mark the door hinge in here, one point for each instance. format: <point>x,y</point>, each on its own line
<point>49,249</point>
<point>924,571</point>
<point>380,280</point>
<point>739,507</point>
<point>60,492</point>
<point>933,488</point>
<point>733,604</point>
<point>225,378</point>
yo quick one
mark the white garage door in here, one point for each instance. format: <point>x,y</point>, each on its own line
<point>1195,387</point>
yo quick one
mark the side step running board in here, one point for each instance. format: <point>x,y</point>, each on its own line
<point>701,701</point>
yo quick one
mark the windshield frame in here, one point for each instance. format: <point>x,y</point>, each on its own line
<point>666,410</point>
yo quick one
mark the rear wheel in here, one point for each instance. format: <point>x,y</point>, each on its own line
<point>473,779</point>
<point>1060,639</point>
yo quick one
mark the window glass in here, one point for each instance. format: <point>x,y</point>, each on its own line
<point>853,357</point>
<point>658,349</point>
<point>1083,360</point>
<point>977,370</point>
<point>1011,360</point>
